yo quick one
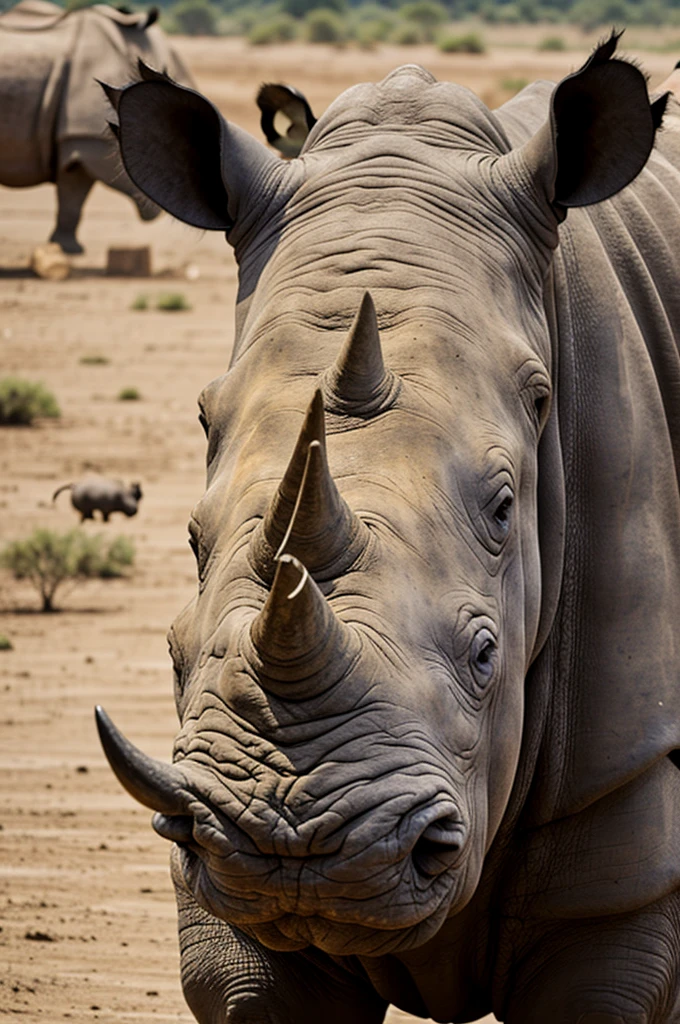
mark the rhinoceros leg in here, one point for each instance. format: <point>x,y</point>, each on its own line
<point>615,970</point>
<point>100,159</point>
<point>73,186</point>
<point>229,978</point>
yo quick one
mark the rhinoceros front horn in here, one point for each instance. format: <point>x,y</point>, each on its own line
<point>358,384</point>
<point>299,646</point>
<point>157,785</point>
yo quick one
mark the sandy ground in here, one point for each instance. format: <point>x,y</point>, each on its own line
<point>88,921</point>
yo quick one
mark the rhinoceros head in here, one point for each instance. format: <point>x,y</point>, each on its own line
<point>350,676</point>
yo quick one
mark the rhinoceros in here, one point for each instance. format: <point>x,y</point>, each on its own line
<point>53,116</point>
<point>100,494</point>
<point>429,686</point>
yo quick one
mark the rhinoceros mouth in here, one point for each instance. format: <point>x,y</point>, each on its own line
<point>403,911</point>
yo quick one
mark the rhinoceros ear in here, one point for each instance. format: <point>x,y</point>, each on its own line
<point>599,134</point>
<point>180,152</point>
<point>285,109</point>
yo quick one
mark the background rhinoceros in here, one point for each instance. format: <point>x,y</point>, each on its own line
<point>53,114</point>
<point>428,689</point>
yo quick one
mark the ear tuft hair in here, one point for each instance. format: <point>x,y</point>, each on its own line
<point>149,74</point>
<point>604,50</point>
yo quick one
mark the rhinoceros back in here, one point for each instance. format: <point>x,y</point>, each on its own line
<point>33,74</point>
<point>107,48</point>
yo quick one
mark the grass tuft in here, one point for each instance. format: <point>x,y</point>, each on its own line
<point>129,395</point>
<point>93,361</point>
<point>172,302</point>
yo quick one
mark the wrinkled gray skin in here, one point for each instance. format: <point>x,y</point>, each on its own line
<point>53,115</point>
<point>100,494</point>
<point>428,689</point>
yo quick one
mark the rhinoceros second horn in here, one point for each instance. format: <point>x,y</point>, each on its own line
<point>267,540</point>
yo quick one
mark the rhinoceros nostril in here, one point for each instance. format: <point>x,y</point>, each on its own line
<point>178,828</point>
<point>439,847</point>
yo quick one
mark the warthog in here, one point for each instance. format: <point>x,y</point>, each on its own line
<point>429,686</point>
<point>99,494</point>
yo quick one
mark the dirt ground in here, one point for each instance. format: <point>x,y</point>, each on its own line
<point>88,920</point>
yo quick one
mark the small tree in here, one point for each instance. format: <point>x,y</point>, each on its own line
<point>50,559</point>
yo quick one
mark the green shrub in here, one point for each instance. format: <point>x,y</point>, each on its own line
<point>141,303</point>
<point>324,26</point>
<point>370,24</point>
<point>428,15</point>
<point>301,8</point>
<point>93,361</point>
<point>528,11</point>
<point>406,34</point>
<point>50,559</point>
<point>172,302</point>
<point>5,643</point>
<point>22,401</point>
<point>195,17</point>
<point>552,43</point>
<point>472,42</point>
<point>129,395</point>
<point>120,556</point>
<point>280,28</point>
<point>590,14</point>
<point>513,85</point>
<point>505,14</point>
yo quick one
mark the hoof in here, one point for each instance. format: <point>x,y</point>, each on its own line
<point>148,212</point>
<point>68,243</point>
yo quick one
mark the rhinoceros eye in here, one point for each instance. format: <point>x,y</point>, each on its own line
<point>500,514</point>
<point>483,656</point>
<point>502,511</point>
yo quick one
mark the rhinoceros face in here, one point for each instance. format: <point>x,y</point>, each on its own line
<point>350,677</point>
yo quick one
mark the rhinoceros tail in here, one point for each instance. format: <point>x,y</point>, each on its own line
<point>64,487</point>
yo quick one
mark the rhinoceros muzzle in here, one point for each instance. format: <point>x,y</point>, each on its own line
<point>405,873</point>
